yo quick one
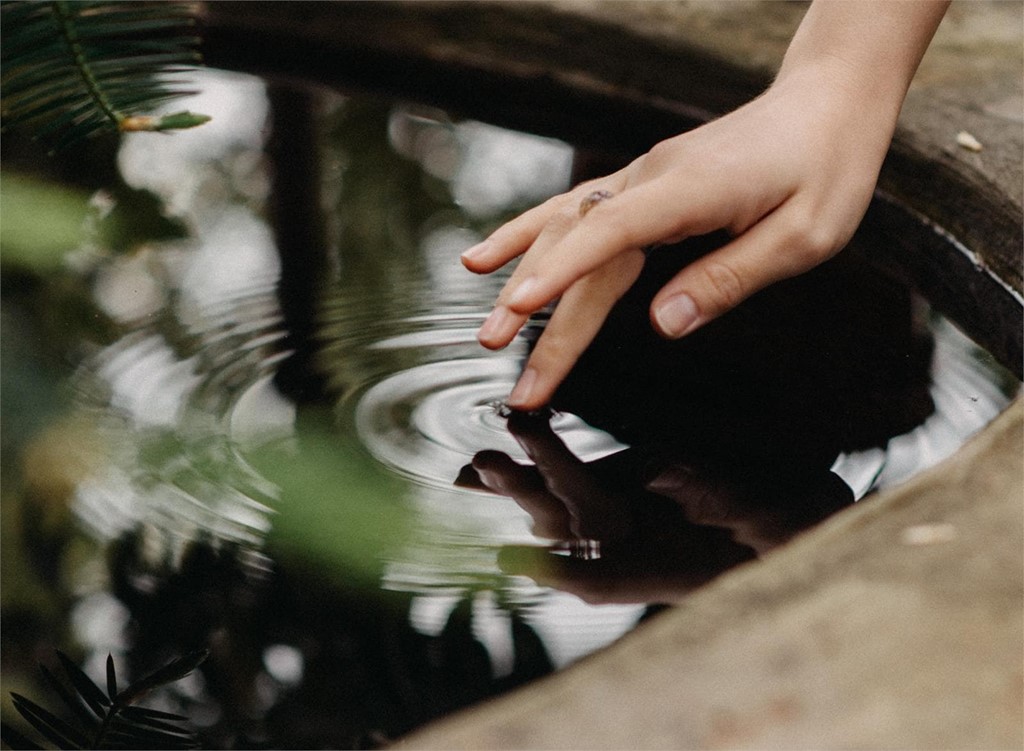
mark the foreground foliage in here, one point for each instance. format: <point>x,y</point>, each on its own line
<point>76,69</point>
<point>109,719</point>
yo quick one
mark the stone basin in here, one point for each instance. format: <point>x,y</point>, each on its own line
<point>899,621</point>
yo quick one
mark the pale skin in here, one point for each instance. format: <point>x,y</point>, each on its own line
<point>789,175</point>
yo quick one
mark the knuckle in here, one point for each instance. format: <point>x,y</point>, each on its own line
<point>616,227</point>
<point>664,153</point>
<point>552,349</point>
<point>562,220</point>
<point>811,238</point>
<point>726,285</point>
<point>587,186</point>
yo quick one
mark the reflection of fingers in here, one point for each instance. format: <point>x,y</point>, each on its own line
<point>470,479</point>
<point>576,320</point>
<point>775,248</point>
<point>596,582</point>
<point>524,485</point>
<point>705,499</point>
<point>500,473</point>
<point>560,469</point>
<point>596,513</point>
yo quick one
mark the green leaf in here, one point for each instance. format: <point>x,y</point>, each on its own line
<point>39,221</point>
<point>52,727</point>
<point>89,691</point>
<point>167,674</point>
<point>111,678</point>
<point>114,55</point>
<point>338,510</point>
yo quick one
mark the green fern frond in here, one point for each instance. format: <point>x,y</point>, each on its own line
<point>108,719</point>
<point>72,70</point>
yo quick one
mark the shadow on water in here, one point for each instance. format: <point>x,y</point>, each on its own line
<point>291,449</point>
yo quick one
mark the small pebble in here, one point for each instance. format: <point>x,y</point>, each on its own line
<point>967,141</point>
<point>928,534</point>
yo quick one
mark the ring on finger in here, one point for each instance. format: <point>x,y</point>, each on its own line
<point>592,199</point>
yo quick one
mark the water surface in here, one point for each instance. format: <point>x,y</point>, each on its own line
<point>314,475</point>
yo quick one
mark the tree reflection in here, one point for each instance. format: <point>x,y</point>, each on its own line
<point>365,674</point>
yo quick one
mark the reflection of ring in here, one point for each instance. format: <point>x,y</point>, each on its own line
<point>585,550</point>
<point>592,199</point>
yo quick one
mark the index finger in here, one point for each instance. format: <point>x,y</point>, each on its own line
<point>658,210</point>
<point>515,237</point>
<point>511,239</point>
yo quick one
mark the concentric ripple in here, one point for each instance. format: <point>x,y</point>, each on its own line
<point>423,395</point>
<point>173,407</point>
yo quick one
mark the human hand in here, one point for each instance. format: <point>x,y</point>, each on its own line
<point>790,191</point>
<point>761,509</point>
<point>789,175</point>
<point>644,525</point>
<point>612,541</point>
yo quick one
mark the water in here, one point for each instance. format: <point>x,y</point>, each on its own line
<point>312,478</point>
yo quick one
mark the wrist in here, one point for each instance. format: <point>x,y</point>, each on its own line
<point>869,48</point>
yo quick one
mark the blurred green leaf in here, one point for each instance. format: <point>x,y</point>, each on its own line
<point>339,508</point>
<point>137,217</point>
<point>39,221</point>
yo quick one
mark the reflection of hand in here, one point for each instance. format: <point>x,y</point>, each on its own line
<point>789,175</point>
<point>620,542</point>
<point>762,511</point>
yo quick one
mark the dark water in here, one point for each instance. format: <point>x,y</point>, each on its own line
<point>292,451</point>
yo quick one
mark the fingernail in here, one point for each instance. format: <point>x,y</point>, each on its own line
<point>494,324</point>
<point>676,315</point>
<point>475,252</point>
<point>469,477</point>
<point>521,293</point>
<point>520,395</point>
<point>671,478</point>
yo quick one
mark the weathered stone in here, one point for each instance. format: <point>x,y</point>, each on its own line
<point>866,632</point>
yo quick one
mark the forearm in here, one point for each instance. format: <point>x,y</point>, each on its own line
<point>870,47</point>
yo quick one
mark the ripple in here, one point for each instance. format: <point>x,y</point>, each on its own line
<point>439,399</point>
<point>173,406</point>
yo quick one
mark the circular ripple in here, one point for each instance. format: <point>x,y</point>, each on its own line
<point>173,407</point>
<point>428,421</point>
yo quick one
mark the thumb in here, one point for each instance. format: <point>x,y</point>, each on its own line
<point>773,249</point>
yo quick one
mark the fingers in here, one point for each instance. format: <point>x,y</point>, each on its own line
<point>560,215</point>
<point>500,327</point>
<point>777,247</point>
<point>596,513</point>
<point>511,239</point>
<point>580,314</point>
<point>596,582</point>
<point>526,487</point>
<point>556,216</point>
<point>705,498</point>
<point>669,206</point>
